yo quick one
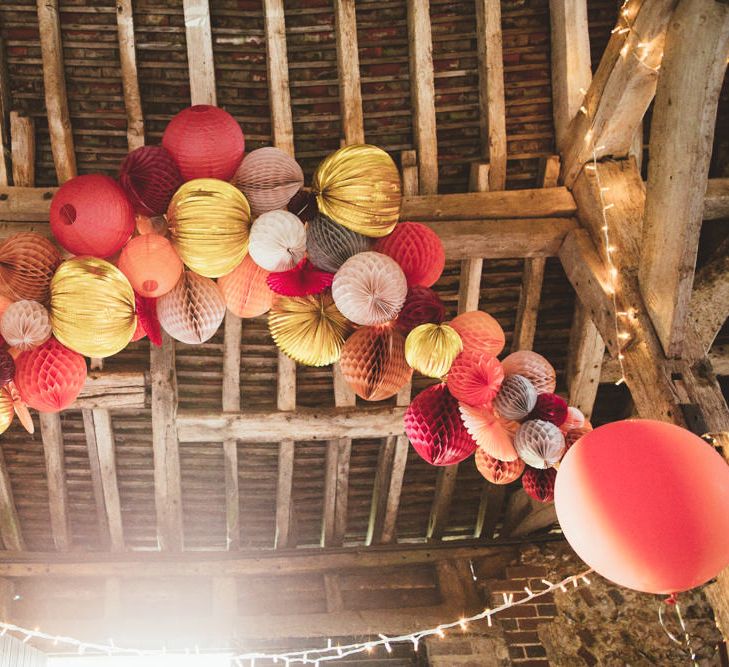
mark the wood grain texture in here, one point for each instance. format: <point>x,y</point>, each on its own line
<point>52,437</point>
<point>282,126</point>
<point>350,91</point>
<point>199,38</point>
<point>22,148</point>
<point>10,530</point>
<point>584,361</point>
<point>709,306</point>
<point>105,447</point>
<point>130,79</point>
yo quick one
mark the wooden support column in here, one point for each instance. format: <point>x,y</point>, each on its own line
<point>130,80</point>
<point>52,437</point>
<point>231,403</point>
<point>350,91</point>
<point>4,118</point>
<point>10,531</point>
<point>710,299</point>
<point>584,361</point>
<point>198,35</point>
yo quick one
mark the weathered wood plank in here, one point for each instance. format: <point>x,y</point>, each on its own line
<point>105,447</point>
<point>232,495</point>
<point>716,202</point>
<point>584,361</point>
<point>527,310</point>
<point>489,510</point>
<point>96,483</point>
<point>445,485</point>
<point>284,486</point>
<point>10,530</point>
<point>231,362</point>
<point>22,148</point>
<point>5,170</point>
<point>282,126</point>
<point>130,80</point>
<point>524,515</point>
<point>350,91</point>
<point>198,35</point>
<point>710,298</point>
<point>117,390</point>
<point>52,437</point>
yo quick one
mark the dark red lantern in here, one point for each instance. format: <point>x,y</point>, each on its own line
<point>550,408</point>
<point>422,306</point>
<point>147,318</point>
<point>150,176</point>
<point>302,280</point>
<point>539,484</point>
<point>417,249</point>
<point>7,368</point>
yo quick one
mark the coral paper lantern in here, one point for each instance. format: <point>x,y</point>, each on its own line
<point>147,319</point>
<point>193,310</point>
<point>151,265</point>
<point>539,444</point>
<point>550,408</point>
<point>205,141</point>
<point>431,348</point>
<point>25,325</point>
<point>373,362</point>
<point>516,398</point>
<point>92,215</point>
<point>50,377</point>
<point>474,378</point>
<point>150,176</point>
<point>329,244</point>
<point>422,306</point>
<point>434,427</point>
<point>417,249</point>
<point>539,484</point>
<point>496,471</point>
<point>534,367</point>
<point>489,433</point>
<point>7,367</point>
<point>245,289</point>
<point>302,280</point>
<point>27,264</point>
<point>479,332</point>
<point>7,410</point>
<point>644,504</point>
<point>278,241</point>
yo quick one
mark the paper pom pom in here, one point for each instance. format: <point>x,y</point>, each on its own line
<point>417,249</point>
<point>147,319</point>
<point>516,398</point>
<point>245,289</point>
<point>25,325</point>
<point>575,419</point>
<point>278,241</point>
<point>573,435</point>
<point>488,432</point>
<point>92,307</point>
<point>498,472</point>
<point>534,367</point>
<point>308,329</point>
<point>539,484</point>
<point>156,224</point>
<point>474,378</point>
<point>150,176</point>
<point>303,205</point>
<point>209,223</point>
<point>193,310</point>
<point>7,368</point>
<point>92,215</point>
<point>435,429</point>
<point>7,410</point>
<point>539,444</point>
<point>369,288</point>
<point>550,408</point>
<point>329,245</point>
<point>20,407</point>
<point>27,264</point>
<point>373,362</point>
<point>358,186</point>
<point>151,265</point>
<point>50,377</point>
<point>268,178</point>
<point>302,280</point>
<point>205,141</point>
<point>422,306</point>
<point>431,348</point>
<point>479,332</point>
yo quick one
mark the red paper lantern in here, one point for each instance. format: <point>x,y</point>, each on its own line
<point>539,484</point>
<point>417,249</point>
<point>474,379</point>
<point>434,427</point>
<point>50,376</point>
<point>92,215</point>
<point>550,408</point>
<point>205,141</point>
<point>7,368</point>
<point>644,504</point>
<point>496,471</point>
<point>245,289</point>
<point>422,306</point>
<point>480,333</point>
<point>302,280</point>
<point>147,319</point>
<point>151,264</point>
<point>150,176</point>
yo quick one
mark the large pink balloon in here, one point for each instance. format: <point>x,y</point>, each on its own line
<point>644,503</point>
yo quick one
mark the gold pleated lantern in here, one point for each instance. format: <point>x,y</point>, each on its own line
<point>209,221</point>
<point>431,348</point>
<point>358,186</point>
<point>92,307</point>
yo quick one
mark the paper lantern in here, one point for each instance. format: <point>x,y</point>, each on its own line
<point>373,362</point>
<point>550,408</point>
<point>479,332</point>
<point>193,310</point>
<point>516,398</point>
<point>156,224</point>
<point>278,241</point>
<point>575,419</point>
<point>20,407</point>
<point>147,318</point>
<point>329,245</point>
<point>7,410</point>
<point>139,332</point>
<point>573,435</point>
<point>25,324</point>
<point>488,432</point>
<point>150,176</point>
<point>358,186</point>
<point>7,368</point>
<point>151,265</point>
<point>434,427</point>
<point>27,264</point>
<point>302,280</point>
<point>539,484</point>
<point>209,223</point>
<point>539,444</point>
<point>308,329</point>
<point>417,249</point>
<point>644,504</point>
<point>303,205</point>
<point>50,377</point>
<point>431,348</point>
<point>534,367</point>
<point>268,178</point>
<point>205,141</point>
<point>92,215</point>
<point>474,378</point>
<point>496,471</point>
<point>92,307</point>
<point>245,289</point>
<point>422,306</point>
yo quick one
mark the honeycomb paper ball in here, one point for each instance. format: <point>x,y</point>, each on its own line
<point>205,141</point>
<point>574,419</point>
<point>479,332</point>
<point>25,325</point>
<point>303,205</point>
<point>539,444</point>
<point>373,362</point>
<point>209,222</point>
<point>534,367</point>
<point>474,378</point>
<point>550,408</point>
<point>27,264</point>
<point>151,265</point>
<point>7,368</point>
<point>573,435</point>
<point>245,289</point>
<point>434,427</point>
<point>147,319</point>
<point>417,249</point>
<point>488,432</point>
<point>516,398</point>
<point>150,176</point>
<point>302,280</point>
<point>498,472</point>
<point>308,329</point>
<point>50,377</point>
<point>422,306</point>
<point>193,310</point>
<point>269,178</point>
<point>7,410</point>
<point>539,484</point>
<point>278,241</point>
<point>92,215</point>
<point>329,244</point>
<point>431,348</point>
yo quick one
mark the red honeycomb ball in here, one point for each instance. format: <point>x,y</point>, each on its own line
<point>147,319</point>
<point>480,332</point>
<point>539,484</point>
<point>302,280</point>
<point>150,176</point>
<point>475,379</point>
<point>7,368</point>
<point>496,471</point>
<point>417,249</point>
<point>550,408</point>
<point>422,306</point>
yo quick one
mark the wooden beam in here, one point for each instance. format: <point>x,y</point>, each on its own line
<point>118,390</point>
<point>232,495</point>
<point>97,485</point>
<point>709,307</point>
<point>231,403</point>
<point>10,531</point>
<point>524,515</point>
<point>527,311</point>
<point>199,38</point>
<point>52,437</point>
<point>130,80</point>
<point>716,203</point>
<point>22,141</point>
<point>350,92</point>
<point>4,118</point>
<point>489,510</point>
<point>682,135</point>
<point>284,486</point>
<point>584,361</point>
<point>445,485</point>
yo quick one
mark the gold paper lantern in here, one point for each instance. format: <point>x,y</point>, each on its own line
<point>309,329</point>
<point>7,410</point>
<point>209,222</point>
<point>92,307</point>
<point>358,186</point>
<point>431,348</point>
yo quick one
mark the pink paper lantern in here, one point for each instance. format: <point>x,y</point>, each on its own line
<point>417,249</point>
<point>489,432</point>
<point>422,306</point>
<point>150,176</point>
<point>475,379</point>
<point>302,280</point>
<point>534,367</point>
<point>480,333</point>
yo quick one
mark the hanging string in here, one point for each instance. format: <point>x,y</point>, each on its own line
<point>671,601</point>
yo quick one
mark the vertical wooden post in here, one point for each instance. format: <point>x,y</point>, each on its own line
<point>130,81</point>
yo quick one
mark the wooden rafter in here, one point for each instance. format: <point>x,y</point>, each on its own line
<point>10,530</point>
<point>710,298</point>
<point>716,203</point>
<point>130,80</point>
<point>584,361</point>
<point>199,37</point>
<point>22,148</point>
<point>52,437</point>
<point>4,118</point>
<point>350,92</point>
<point>231,403</point>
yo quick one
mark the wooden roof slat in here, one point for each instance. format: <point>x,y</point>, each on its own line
<point>130,80</point>
<point>22,148</point>
<point>52,436</point>
<point>198,36</point>
<point>5,169</point>
<point>350,92</point>
<point>97,485</point>
<point>231,403</point>
<point>232,495</point>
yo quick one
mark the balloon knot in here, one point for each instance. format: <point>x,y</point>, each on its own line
<point>671,599</point>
